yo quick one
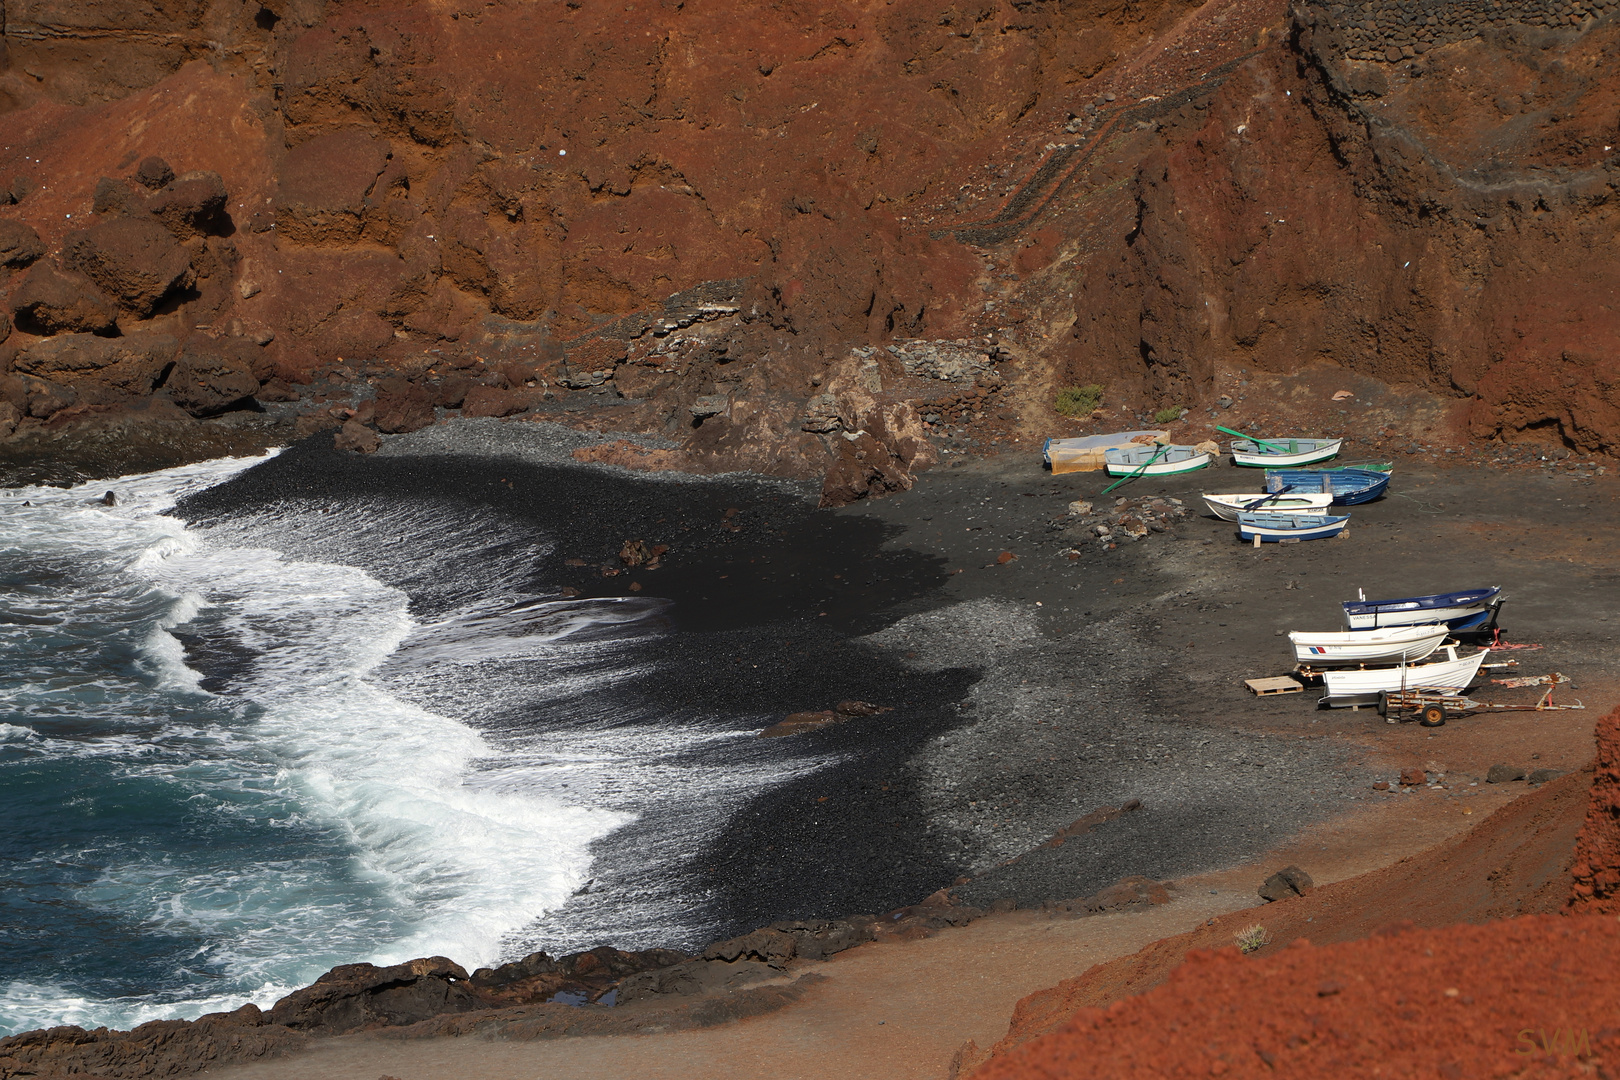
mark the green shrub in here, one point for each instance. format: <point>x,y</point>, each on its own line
<point>1079,400</point>
<point>1168,416</point>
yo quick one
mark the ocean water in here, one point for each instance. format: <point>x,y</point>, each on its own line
<point>316,732</point>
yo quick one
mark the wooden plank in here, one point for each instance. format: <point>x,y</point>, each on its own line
<point>1281,685</point>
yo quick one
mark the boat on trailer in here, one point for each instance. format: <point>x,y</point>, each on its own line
<point>1282,453</point>
<point>1227,507</point>
<point>1274,528</point>
<point>1390,645</point>
<point>1155,460</point>
<point>1468,609</point>
<point>1447,676</point>
<point>1349,487</point>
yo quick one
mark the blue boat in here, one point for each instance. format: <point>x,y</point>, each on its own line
<point>1470,609</point>
<point>1349,486</point>
<point>1272,528</point>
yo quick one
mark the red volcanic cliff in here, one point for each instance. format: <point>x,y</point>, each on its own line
<point>752,229</point>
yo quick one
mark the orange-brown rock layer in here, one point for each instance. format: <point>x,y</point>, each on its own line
<point>1596,872</point>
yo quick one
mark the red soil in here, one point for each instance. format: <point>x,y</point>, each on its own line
<point>1529,971</point>
<point>1530,996</point>
<point>1597,851</point>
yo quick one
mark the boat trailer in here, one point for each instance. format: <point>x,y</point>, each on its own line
<point>1433,709</point>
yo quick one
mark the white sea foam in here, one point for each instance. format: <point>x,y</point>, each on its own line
<point>439,852</point>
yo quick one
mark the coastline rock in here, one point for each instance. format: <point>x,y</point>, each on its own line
<point>135,261</point>
<point>208,380</point>
<point>495,401</point>
<point>49,301</point>
<point>10,415</point>
<point>767,945</point>
<point>538,978</point>
<point>355,996</point>
<point>817,939</point>
<point>158,1048</point>
<point>694,978</point>
<point>1285,884</point>
<point>355,436</point>
<point>402,406</point>
<point>134,364</point>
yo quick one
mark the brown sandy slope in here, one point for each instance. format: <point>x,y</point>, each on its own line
<point>1516,861</point>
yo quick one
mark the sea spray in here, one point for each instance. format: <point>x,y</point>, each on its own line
<point>245,838</point>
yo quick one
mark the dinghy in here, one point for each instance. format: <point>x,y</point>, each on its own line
<point>1391,645</point>
<point>1155,460</point>
<point>1227,507</point>
<point>1446,676</point>
<point>1349,487</point>
<point>1282,453</point>
<point>1272,528</point>
<point>1453,608</point>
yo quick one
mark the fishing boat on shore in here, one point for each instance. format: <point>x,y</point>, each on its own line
<point>1390,645</point>
<point>1467,609</point>
<point>1349,487</point>
<point>1227,507</point>
<point>1364,466</point>
<point>1274,528</point>
<point>1282,453</point>
<point>1450,675</point>
<point>1155,460</point>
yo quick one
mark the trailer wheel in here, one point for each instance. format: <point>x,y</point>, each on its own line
<point>1432,716</point>
<point>1383,703</point>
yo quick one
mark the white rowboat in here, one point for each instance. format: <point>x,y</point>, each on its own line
<point>1448,676</point>
<point>1283,453</point>
<point>1392,645</point>
<point>1227,507</point>
<point>1155,461</point>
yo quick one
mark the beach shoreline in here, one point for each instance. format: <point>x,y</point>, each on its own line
<point>1070,655</point>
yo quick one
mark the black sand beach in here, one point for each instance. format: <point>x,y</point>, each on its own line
<point>1025,693</point>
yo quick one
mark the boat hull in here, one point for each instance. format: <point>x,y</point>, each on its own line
<point>1163,467</point>
<point>1449,676</point>
<point>1252,456</point>
<point>1406,644</point>
<point>1227,507</point>
<point>1456,608</point>
<point>1349,487</point>
<point>1281,527</point>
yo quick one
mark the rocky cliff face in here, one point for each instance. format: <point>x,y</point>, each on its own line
<point>730,225</point>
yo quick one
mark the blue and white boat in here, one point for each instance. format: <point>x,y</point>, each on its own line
<point>1271,528</point>
<point>1348,486</point>
<point>1466,610</point>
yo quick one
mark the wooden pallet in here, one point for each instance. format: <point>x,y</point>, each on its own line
<point>1283,684</point>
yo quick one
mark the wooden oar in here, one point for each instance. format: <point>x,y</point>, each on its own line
<point>1286,488</point>
<point>1258,442</point>
<point>1138,471</point>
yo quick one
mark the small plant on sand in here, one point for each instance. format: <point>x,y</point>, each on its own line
<point>1168,416</point>
<point>1079,400</point>
<point>1251,938</point>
